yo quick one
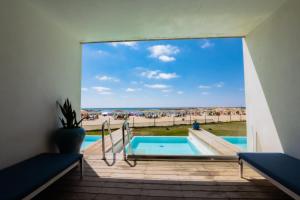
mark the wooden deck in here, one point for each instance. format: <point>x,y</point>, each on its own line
<point>161,180</point>
<point>96,148</point>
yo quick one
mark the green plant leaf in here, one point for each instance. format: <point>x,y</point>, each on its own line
<point>63,122</point>
<point>69,119</point>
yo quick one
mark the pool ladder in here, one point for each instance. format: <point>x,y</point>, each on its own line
<point>103,139</point>
<point>126,129</point>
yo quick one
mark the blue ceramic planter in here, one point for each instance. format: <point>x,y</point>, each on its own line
<point>68,140</point>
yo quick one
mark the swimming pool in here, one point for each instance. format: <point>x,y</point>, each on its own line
<point>88,140</point>
<point>162,145</point>
<point>239,141</point>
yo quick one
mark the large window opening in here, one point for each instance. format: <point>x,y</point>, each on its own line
<point>166,90</point>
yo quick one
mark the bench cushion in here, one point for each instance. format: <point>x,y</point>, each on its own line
<point>21,179</point>
<point>278,166</point>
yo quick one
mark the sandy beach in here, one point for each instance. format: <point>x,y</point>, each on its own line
<point>139,121</point>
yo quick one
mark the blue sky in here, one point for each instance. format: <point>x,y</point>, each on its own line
<point>164,73</point>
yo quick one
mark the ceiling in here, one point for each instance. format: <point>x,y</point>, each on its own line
<point>117,20</point>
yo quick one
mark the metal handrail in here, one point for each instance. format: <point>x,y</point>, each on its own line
<point>126,127</point>
<point>103,141</point>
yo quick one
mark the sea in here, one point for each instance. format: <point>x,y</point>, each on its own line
<point>140,109</point>
<point>110,110</point>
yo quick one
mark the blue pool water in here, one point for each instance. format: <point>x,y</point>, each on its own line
<point>89,139</point>
<point>160,145</point>
<point>239,141</point>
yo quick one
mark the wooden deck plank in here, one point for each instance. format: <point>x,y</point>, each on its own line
<point>96,148</point>
<point>161,180</point>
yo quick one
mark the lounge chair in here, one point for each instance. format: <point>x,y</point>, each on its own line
<point>280,169</point>
<point>26,179</point>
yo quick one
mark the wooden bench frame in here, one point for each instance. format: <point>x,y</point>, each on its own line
<point>274,182</point>
<point>55,178</point>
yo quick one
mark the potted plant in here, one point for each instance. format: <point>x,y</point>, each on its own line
<point>69,138</point>
<point>196,125</point>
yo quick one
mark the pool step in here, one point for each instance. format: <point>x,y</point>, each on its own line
<point>185,158</point>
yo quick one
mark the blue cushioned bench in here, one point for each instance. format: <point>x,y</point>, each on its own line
<point>280,169</point>
<point>26,179</point>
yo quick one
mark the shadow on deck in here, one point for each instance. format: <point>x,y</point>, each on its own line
<point>161,180</point>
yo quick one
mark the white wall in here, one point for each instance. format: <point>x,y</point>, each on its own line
<point>261,130</point>
<point>273,81</point>
<point>39,64</point>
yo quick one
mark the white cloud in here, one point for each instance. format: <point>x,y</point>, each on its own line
<point>204,86</point>
<point>165,58</point>
<point>157,86</point>
<point>167,76</point>
<point>205,93</point>
<point>97,53</point>
<point>151,74</point>
<point>133,89</point>
<point>102,90</point>
<point>84,89</point>
<point>101,53</point>
<point>207,44</point>
<point>159,50</point>
<point>215,85</point>
<point>156,74</point>
<point>179,92</point>
<point>164,53</point>
<point>130,90</point>
<point>219,85</point>
<point>128,44</point>
<point>107,78</point>
<point>167,90</point>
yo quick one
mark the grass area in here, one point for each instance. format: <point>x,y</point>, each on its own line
<point>227,128</point>
<point>220,129</point>
<point>97,132</point>
<point>180,130</point>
